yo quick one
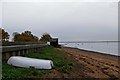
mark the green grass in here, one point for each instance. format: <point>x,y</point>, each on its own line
<point>14,72</point>
<point>59,59</point>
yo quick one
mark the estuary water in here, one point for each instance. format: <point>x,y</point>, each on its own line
<point>103,47</point>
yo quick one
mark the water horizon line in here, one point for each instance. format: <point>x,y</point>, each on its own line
<point>86,41</point>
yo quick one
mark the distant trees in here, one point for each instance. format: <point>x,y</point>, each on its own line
<point>4,36</point>
<point>25,36</point>
<point>45,37</point>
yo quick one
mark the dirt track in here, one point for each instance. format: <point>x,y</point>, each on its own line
<point>96,65</point>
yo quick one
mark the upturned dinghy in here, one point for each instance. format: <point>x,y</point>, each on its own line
<point>30,62</point>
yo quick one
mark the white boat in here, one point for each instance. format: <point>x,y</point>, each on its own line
<point>30,62</point>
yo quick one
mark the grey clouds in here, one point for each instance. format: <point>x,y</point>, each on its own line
<point>69,21</point>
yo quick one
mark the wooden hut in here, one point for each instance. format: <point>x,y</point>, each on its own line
<point>54,42</point>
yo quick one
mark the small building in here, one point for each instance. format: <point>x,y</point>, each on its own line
<point>54,42</point>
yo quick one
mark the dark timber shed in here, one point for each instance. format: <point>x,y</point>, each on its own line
<point>54,42</point>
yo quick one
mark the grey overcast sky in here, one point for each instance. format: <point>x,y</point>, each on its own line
<point>69,21</point>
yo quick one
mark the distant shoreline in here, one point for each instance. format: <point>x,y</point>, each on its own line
<point>87,41</point>
<point>95,52</point>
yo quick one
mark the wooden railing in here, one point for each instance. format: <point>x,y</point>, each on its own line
<point>20,50</point>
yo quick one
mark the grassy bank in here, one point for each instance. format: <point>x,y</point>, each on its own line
<point>62,64</point>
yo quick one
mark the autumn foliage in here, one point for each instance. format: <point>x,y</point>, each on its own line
<point>45,37</point>
<point>4,36</point>
<point>25,36</point>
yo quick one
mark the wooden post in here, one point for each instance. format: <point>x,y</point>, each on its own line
<point>3,56</point>
<point>26,51</point>
<point>13,53</point>
<point>23,52</point>
<point>19,53</point>
<point>7,55</point>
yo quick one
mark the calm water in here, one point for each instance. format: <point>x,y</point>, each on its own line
<point>104,47</point>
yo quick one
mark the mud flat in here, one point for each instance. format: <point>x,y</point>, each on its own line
<point>97,65</point>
